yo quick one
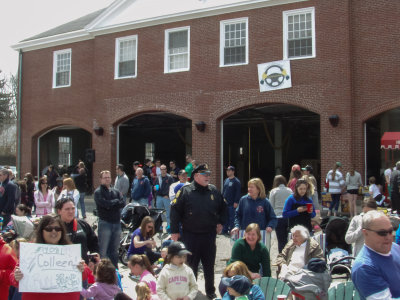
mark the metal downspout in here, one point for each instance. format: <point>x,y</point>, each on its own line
<point>19,112</point>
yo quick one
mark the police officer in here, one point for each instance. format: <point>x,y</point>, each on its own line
<point>201,210</point>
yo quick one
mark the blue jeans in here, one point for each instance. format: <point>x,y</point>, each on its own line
<point>142,201</point>
<point>82,204</point>
<point>335,202</point>
<point>229,225</point>
<point>109,238</point>
<point>164,203</point>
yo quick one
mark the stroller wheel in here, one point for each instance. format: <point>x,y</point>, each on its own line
<point>123,256</point>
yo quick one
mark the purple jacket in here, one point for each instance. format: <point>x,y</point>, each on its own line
<point>101,291</point>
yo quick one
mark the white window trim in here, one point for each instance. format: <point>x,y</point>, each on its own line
<point>166,42</point>
<point>116,64</point>
<point>222,41</point>
<point>55,53</point>
<point>285,16</point>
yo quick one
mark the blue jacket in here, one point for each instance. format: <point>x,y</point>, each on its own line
<point>296,218</point>
<point>255,293</point>
<point>140,188</point>
<point>257,211</point>
<point>232,190</point>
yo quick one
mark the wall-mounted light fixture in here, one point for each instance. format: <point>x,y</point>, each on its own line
<point>201,126</point>
<point>98,130</point>
<point>334,120</point>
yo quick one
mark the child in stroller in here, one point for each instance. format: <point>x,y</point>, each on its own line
<point>338,252</point>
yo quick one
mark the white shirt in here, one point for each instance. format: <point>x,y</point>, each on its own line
<point>374,190</point>
<point>297,259</point>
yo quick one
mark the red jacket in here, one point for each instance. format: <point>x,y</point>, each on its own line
<point>8,260</point>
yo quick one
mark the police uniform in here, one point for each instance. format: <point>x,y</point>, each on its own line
<point>199,209</point>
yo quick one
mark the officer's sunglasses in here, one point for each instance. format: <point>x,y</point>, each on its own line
<point>381,232</point>
<point>205,173</point>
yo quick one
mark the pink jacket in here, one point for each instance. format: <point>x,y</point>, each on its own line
<point>44,206</point>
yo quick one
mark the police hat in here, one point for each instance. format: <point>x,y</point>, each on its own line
<point>201,169</point>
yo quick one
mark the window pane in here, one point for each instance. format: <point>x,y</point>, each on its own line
<point>126,68</point>
<point>178,39</point>
<point>299,35</point>
<point>63,68</point>
<point>178,51</point>
<point>64,151</point>
<point>127,58</point>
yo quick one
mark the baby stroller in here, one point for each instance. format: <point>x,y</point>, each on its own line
<point>338,252</point>
<point>131,218</point>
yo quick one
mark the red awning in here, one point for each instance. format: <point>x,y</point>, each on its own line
<point>390,140</point>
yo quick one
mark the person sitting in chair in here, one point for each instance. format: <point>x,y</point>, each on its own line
<point>298,252</point>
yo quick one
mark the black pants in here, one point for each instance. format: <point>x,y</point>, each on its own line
<point>282,233</point>
<point>204,249</point>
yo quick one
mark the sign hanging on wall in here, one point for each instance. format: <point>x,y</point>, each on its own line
<point>274,75</point>
<point>50,268</point>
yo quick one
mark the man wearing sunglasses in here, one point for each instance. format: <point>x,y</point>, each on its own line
<point>376,271</point>
<point>201,210</point>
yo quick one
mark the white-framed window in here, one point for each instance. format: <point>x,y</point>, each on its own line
<point>150,151</point>
<point>126,57</point>
<point>64,150</point>
<point>234,42</point>
<point>62,68</point>
<point>299,33</point>
<point>177,50</point>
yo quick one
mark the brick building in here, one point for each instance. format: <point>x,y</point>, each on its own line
<point>141,79</point>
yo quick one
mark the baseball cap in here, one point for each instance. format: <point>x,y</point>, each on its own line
<point>307,168</point>
<point>177,248</point>
<point>295,167</point>
<point>338,164</point>
<point>239,283</point>
<point>232,168</point>
<point>136,163</point>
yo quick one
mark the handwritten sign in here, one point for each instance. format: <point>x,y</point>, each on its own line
<point>50,268</point>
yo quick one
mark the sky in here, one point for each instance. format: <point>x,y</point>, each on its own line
<point>21,19</point>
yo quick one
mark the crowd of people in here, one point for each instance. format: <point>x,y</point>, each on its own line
<point>195,213</point>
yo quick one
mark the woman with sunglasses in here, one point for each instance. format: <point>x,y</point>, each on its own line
<point>51,230</point>
<point>142,240</point>
<point>78,230</point>
<point>44,198</point>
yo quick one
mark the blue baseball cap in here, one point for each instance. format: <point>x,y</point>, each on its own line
<point>239,283</point>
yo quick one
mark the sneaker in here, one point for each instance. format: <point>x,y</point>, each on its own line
<point>212,296</point>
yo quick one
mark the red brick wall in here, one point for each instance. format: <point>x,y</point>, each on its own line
<point>336,81</point>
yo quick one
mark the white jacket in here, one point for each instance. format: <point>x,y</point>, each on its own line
<point>354,234</point>
<point>176,282</point>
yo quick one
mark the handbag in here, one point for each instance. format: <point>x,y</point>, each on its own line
<point>327,186</point>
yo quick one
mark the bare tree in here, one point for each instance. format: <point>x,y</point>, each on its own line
<point>8,98</point>
<point>8,117</point>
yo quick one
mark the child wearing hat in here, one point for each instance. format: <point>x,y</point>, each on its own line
<point>176,280</point>
<point>239,286</point>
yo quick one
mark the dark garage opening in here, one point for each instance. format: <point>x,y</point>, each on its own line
<point>257,139</point>
<point>375,128</point>
<point>64,147</point>
<point>161,136</point>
